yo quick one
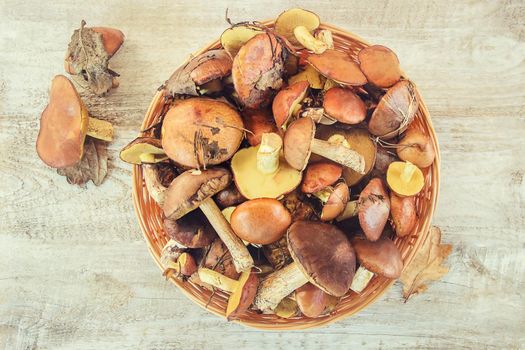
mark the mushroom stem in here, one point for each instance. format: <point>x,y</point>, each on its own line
<point>339,154</point>
<point>217,280</point>
<point>268,153</point>
<point>303,35</point>
<point>155,188</point>
<point>361,279</point>
<point>100,129</point>
<point>278,285</point>
<point>350,211</point>
<point>241,257</point>
<point>408,172</point>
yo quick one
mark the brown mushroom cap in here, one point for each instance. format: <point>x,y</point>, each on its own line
<point>112,39</point>
<point>219,259</point>
<point>243,295</point>
<point>258,121</point>
<point>404,214</point>
<point>63,126</point>
<point>285,101</point>
<point>135,151</point>
<point>229,197</point>
<point>191,188</point>
<point>319,175</point>
<point>200,131</point>
<point>381,257</point>
<point>192,230</point>
<point>218,67</point>
<point>324,254</point>
<point>374,209</point>
<point>297,142</point>
<point>260,221</point>
<point>311,300</point>
<point>395,111</point>
<point>338,66</point>
<point>380,65</point>
<point>344,106</point>
<point>336,202</point>
<point>257,69</point>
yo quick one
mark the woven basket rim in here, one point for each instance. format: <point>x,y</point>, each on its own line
<point>293,324</point>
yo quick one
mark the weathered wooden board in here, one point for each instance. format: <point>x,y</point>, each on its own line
<point>75,272</point>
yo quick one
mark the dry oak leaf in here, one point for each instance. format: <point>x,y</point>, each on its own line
<point>426,265</point>
<point>93,165</point>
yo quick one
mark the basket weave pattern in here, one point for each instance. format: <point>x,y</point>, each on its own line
<point>150,219</point>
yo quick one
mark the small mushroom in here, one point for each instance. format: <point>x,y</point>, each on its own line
<point>261,172</point>
<point>64,124</point>
<point>288,101</point>
<point>258,69</point>
<point>196,76</point>
<point>309,74</point>
<point>344,106</point>
<point>322,255</point>
<point>229,197</point>
<point>311,300</point>
<point>287,308</point>
<point>157,177</point>
<point>191,231</point>
<point>219,259</point>
<point>320,175</point>
<point>395,111</point>
<point>184,266</point>
<point>339,67</point>
<point>277,253</point>
<point>372,208</point>
<point>299,143</point>
<point>261,221</point>
<point>192,190</point>
<point>310,42</point>
<point>357,139</point>
<point>198,132</point>
<point>405,179</point>
<point>258,122</point>
<point>380,65</point>
<point>290,19</point>
<point>416,147</point>
<point>143,150</point>
<point>380,257</point>
<point>242,291</point>
<point>334,200</point>
<point>404,214</point>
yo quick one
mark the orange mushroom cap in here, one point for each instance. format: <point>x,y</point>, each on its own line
<point>344,106</point>
<point>285,101</point>
<point>338,66</point>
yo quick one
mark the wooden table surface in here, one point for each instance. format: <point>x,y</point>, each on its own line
<point>75,272</point>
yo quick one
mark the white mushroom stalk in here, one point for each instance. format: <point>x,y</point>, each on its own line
<point>155,189</point>
<point>361,279</point>
<point>268,153</point>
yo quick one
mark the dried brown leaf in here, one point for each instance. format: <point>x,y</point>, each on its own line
<point>426,265</point>
<point>93,165</point>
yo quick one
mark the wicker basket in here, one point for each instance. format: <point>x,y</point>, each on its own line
<point>150,218</point>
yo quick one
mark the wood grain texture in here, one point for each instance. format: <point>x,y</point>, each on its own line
<point>75,272</point>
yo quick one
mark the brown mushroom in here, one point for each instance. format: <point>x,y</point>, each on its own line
<point>322,255</point>
<point>320,175</point>
<point>338,66</point>
<point>380,65</point>
<point>344,106</point>
<point>261,221</point>
<point>287,308</point>
<point>299,143</point>
<point>395,111</point>
<point>64,124</point>
<point>198,132</point>
<point>357,139</point>
<point>258,69</point>
<point>184,266</point>
<point>287,101</point>
<point>242,291</point>
<point>380,257</point>
<point>194,77</point>
<point>194,189</point>
<point>258,122</point>
<point>405,179</point>
<point>416,147</point>
<point>404,214</point>
<point>192,230</point>
<point>383,159</point>
<point>143,150</point>
<point>229,197</point>
<point>157,177</point>
<point>218,258</point>
<point>277,253</point>
<point>334,200</point>
<point>372,208</point>
<point>261,171</point>
<point>311,300</point>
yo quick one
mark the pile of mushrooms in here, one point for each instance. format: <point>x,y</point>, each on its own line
<point>294,164</point>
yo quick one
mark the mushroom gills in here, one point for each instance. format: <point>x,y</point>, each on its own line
<point>100,129</point>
